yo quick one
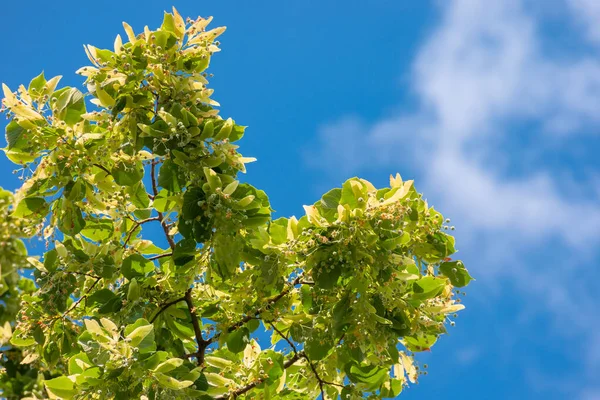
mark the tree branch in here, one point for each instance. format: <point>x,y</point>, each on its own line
<point>284,337</point>
<point>310,364</point>
<point>87,292</point>
<point>202,344</point>
<point>236,393</point>
<point>165,306</point>
<point>260,310</point>
<point>160,256</point>
<point>103,168</point>
<point>137,224</point>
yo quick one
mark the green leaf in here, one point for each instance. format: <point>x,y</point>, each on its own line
<point>37,85</point>
<point>18,156</point>
<point>428,287</point>
<point>71,220</point>
<point>14,136</point>
<point>208,130</point>
<point>50,260</point>
<point>136,265</point>
<point>61,387</point>
<point>238,339</point>
<point>31,207</point>
<point>317,348</point>
<point>141,335</point>
<point>278,230</point>
<point>326,277</point>
<point>70,105</point>
<point>185,251</point>
<point>127,174</point>
<point>354,194</point>
<point>171,383</point>
<point>371,375</point>
<point>138,195</point>
<point>98,230</point>
<point>168,365</point>
<point>163,202</point>
<point>79,363</point>
<point>38,335</point>
<point>456,272</point>
<point>272,363</point>
<point>101,296</point>
<point>20,339</point>
<point>133,292</point>
<point>168,177</point>
<point>420,343</point>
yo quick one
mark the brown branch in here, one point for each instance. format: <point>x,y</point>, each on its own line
<point>87,292</point>
<point>284,337</point>
<point>165,306</point>
<point>161,218</point>
<point>137,225</point>
<point>314,370</point>
<point>236,393</point>
<point>160,256</point>
<point>202,344</point>
<point>103,168</point>
<point>262,309</point>
<point>311,365</point>
<point>321,380</point>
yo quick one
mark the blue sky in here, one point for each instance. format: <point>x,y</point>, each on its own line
<point>492,106</point>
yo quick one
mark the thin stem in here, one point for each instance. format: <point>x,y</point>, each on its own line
<point>87,292</point>
<point>165,306</point>
<point>236,393</point>
<point>310,364</point>
<point>258,311</point>
<point>136,225</point>
<point>103,168</point>
<point>284,337</point>
<point>160,256</point>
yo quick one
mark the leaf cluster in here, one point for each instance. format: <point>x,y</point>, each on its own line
<point>344,295</point>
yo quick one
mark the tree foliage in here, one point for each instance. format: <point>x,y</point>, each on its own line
<point>166,278</point>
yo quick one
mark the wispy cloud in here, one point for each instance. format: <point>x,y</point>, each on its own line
<point>482,80</point>
<point>588,12</point>
<point>480,73</point>
<point>468,355</point>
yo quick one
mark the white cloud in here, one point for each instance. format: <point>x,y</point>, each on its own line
<point>483,70</point>
<point>588,12</point>
<point>480,71</point>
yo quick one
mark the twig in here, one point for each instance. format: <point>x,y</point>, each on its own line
<point>314,370</point>
<point>165,306</point>
<point>160,256</point>
<point>236,393</point>
<point>284,337</point>
<point>82,273</point>
<point>87,292</point>
<point>258,311</point>
<point>103,168</point>
<point>137,225</point>
<point>311,365</point>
